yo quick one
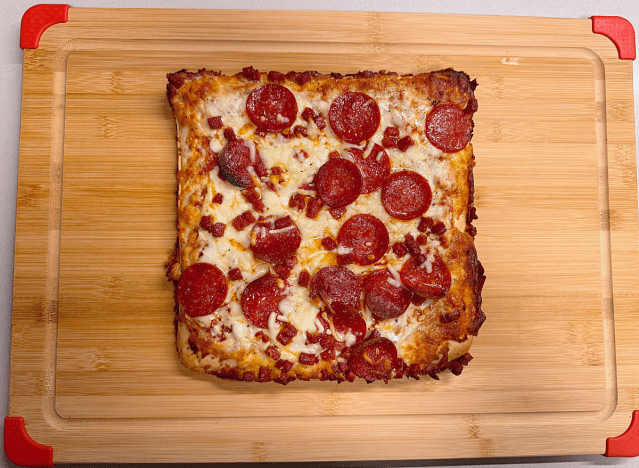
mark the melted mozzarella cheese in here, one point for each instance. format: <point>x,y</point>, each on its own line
<point>233,249</point>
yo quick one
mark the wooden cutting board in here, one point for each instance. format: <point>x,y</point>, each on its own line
<point>94,372</point>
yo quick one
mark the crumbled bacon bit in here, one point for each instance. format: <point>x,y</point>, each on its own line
<point>255,198</point>
<point>300,131</point>
<point>389,142</point>
<point>425,224</point>
<point>282,271</point>
<point>216,229</point>
<point>438,228</point>
<point>404,143</point>
<point>412,245</point>
<point>251,194</point>
<point>258,205</point>
<point>273,353</point>
<point>422,239</point>
<point>283,222</point>
<point>391,131</point>
<point>284,365</point>
<point>303,78</point>
<point>270,185</point>
<point>345,259</point>
<point>291,261</point>
<point>313,207</point>
<point>328,354</point>
<point>308,113</point>
<point>229,134</point>
<point>337,213</point>
<point>264,374</point>
<point>329,243</point>
<point>320,122</point>
<point>235,274</point>
<point>248,377</point>
<point>297,201</point>
<point>304,279</point>
<point>300,155</point>
<point>328,342</point>
<point>215,122</point>
<point>218,198</point>
<point>286,133</point>
<point>417,300</point>
<point>313,338</point>
<point>251,74</point>
<point>276,170</point>
<point>400,249</point>
<point>276,77</point>
<point>242,221</point>
<point>308,359</point>
<point>262,336</point>
<point>286,334</point>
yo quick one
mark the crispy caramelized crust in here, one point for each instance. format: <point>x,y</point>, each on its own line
<point>440,331</point>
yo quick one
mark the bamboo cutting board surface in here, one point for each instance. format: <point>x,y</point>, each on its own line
<point>94,368</point>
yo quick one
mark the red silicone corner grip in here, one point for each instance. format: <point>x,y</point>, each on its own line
<point>627,444</point>
<point>20,448</point>
<point>37,19</point>
<point>620,31</point>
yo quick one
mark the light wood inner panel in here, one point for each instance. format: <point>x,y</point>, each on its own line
<point>542,347</point>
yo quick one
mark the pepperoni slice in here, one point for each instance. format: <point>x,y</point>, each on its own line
<point>449,128</point>
<point>260,299</point>
<point>354,117</point>
<point>202,289</point>
<point>236,158</point>
<point>338,182</point>
<point>374,359</point>
<point>347,319</point>
<point>337,284</point>
<point>275,239</point>
<point>363,239</point>
<point>271,107</point>
<point>375,168</point>
<point>384,295</point>
<point>427,279</point>
<point>406,195</point>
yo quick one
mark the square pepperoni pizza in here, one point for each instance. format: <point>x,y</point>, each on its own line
<point>325,224</point>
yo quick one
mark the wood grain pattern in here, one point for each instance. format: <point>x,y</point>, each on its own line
<point>94,369</point>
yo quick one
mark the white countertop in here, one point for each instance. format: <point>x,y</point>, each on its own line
<point>11,12</point>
